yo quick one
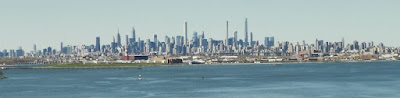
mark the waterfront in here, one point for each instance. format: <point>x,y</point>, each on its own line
<point>361,79</point>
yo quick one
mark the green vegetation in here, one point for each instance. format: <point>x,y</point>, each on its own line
<point>102,65</point>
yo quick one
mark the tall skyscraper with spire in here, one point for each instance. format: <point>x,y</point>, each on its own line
<point>185,31</point>
<point>133,35</point>
<point>246,38</point>
<point>119,39</point>
<point>226,38</point>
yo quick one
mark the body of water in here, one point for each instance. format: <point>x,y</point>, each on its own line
<point>338,80</point>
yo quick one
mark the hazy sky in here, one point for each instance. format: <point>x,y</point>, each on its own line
<point>78,22</point>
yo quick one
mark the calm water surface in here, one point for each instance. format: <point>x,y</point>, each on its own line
<point>338,80</point>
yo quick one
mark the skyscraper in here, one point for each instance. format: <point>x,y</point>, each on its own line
<point>343,42</point>
<point>356,45</point>
<point>127,40</point>
<point>97,44</point>
<point>185,35</point>
<point>113,45</point>
<point>246,39</point>
<point>34,48</point>
<point>318,44</point>
<point>235,39</point>
<point>61,48</point>
<point>178,40</point>
<point>140,44</point>
<point>251,39</point>
<point>202,35</point>
<point>266,42</point>
<point>226,38</point>
<point>363,45</point>
<point>133,35</point>
<point>119,39</point>
<point>271,41</point>
<point>167,40</point>
<point>19,52</point>
<point>155,42</point>
<point>173,40</point>
<point>194,37</point>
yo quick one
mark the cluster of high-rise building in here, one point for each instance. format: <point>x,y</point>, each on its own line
<point>182,45</point>
<point>12,53</point>
<point>199,45</point>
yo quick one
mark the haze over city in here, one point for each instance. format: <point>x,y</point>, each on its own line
<point>199,48</point>
<point>47,23</point>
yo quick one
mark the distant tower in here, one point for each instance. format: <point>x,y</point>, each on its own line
<point>356,45</point>
<point>185,31</point>
<point>226,38</point>
<point>343,42</point>
<point>251,39</point>
<point>140,48</point>
<point>235,37</point>
<point>155,42</point>
<point>119,39</point>
<point>127,40</point>
<point>272,41</point>
<point>133,35</point>
<point>97,43</point>
<point>34,48</point>
<point>167,40</point>
<point>173,40</point>
<point>202,35</point>
<point>195,36</point>
<point>246,38</point>
<point>61,48</point>
<point>266,42</point>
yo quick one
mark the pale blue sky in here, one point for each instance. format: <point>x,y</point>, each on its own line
<point>77,22</point>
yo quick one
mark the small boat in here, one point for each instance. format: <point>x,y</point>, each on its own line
<point>196,62</point>
<point>140,77</point>
<point>3,77</point>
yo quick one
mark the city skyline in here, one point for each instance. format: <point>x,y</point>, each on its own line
<point>200,45</point>
<point>246,37</point>
<point>283,20</point>
<point>199,48</point>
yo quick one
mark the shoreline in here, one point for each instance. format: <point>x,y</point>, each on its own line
<point>275,63</point>
<point>280,63</point>
<point>141,65</point>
